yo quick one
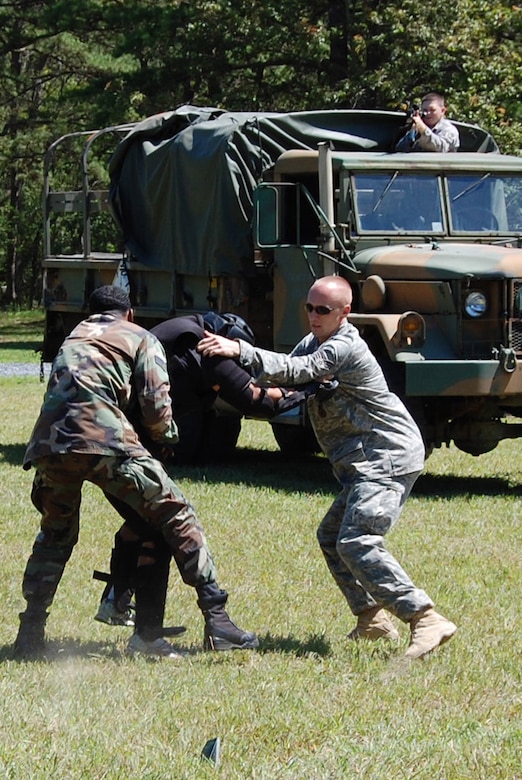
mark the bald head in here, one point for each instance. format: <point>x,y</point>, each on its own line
<point>335,288</point>
<point>328,304</point>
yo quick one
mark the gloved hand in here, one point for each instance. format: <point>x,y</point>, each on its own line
<point>291,398</point>
<point>326,389</point>
<point>322,391</point>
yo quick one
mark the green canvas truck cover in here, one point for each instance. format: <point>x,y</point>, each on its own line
<point>182,181</point>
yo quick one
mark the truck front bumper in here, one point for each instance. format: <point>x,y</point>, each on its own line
<point>463,378</point>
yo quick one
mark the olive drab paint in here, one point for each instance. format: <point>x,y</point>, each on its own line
<point>250,207</point>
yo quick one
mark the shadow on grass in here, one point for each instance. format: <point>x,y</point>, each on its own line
<point>265,468</point>
<point>313,474</point>
<point>12,453</point>
<point>309,474</point>
<point>252,467</point>
<point>451,485</point>
<point>58,651</point>
<point>22,346</point>
<point>65,649</point>
<point>315,644</point>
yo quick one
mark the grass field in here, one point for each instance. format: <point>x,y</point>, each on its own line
<point>21,336</point>
<point>308,705</point>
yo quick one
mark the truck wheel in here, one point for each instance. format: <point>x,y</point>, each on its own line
<point>295,440</point>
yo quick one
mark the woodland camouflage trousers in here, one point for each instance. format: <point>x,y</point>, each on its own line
<point>140,483</point>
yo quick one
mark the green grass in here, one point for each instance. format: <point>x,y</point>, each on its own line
<point>307,705</point>
<point>21,336</point>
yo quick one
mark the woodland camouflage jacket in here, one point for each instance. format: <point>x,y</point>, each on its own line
<point>108,371</point>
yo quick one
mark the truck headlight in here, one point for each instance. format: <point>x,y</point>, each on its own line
<point>475,304</point>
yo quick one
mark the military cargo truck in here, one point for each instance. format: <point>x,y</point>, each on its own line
<point>240,212</point>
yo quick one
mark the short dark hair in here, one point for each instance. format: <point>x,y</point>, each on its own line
<point>436,97</point>
<point>110,297</point>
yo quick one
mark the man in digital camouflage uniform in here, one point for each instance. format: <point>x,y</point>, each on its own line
<point>107,371</point>
<point>376,452</point>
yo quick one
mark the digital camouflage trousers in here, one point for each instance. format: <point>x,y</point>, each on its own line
<point>351,539</point>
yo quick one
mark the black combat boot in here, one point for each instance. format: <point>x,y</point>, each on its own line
<point>220,632</point>
<point>29,644</point>
<point>116,605</point>
<point>151,583</point>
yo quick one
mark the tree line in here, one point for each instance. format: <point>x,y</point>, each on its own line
<point>77,65</point>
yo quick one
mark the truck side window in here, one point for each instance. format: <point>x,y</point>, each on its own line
<point>513,203</point>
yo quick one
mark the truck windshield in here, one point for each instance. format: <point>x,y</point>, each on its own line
<point>485,203</point>
<point>398,202</point>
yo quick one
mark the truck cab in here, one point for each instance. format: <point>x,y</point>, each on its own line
<point>431,244</point>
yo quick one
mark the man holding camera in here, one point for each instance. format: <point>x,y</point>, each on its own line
<point>430,131</point>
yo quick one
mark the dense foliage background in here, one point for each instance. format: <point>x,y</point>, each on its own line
<point>82,64</point>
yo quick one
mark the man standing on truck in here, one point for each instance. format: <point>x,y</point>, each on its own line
<point>376,452</point>
<point>108,372</point>
<point>430,131</point>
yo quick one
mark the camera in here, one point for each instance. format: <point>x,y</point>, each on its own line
<point>413,109</point>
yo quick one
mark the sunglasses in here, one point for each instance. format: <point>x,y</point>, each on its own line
<point>322,310</point>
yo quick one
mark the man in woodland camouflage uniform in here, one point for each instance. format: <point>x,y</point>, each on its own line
<point>376,452</point>
<point>108,371</point>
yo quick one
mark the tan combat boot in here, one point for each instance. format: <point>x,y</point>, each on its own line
<point>429,630</point>
<point>374,624</point>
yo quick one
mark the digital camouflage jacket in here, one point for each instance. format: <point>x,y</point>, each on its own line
<point>363,422</point>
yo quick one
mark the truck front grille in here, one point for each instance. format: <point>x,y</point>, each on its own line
<point>515,317</point>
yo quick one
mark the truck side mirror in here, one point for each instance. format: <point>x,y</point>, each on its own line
<point>267,229</point>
